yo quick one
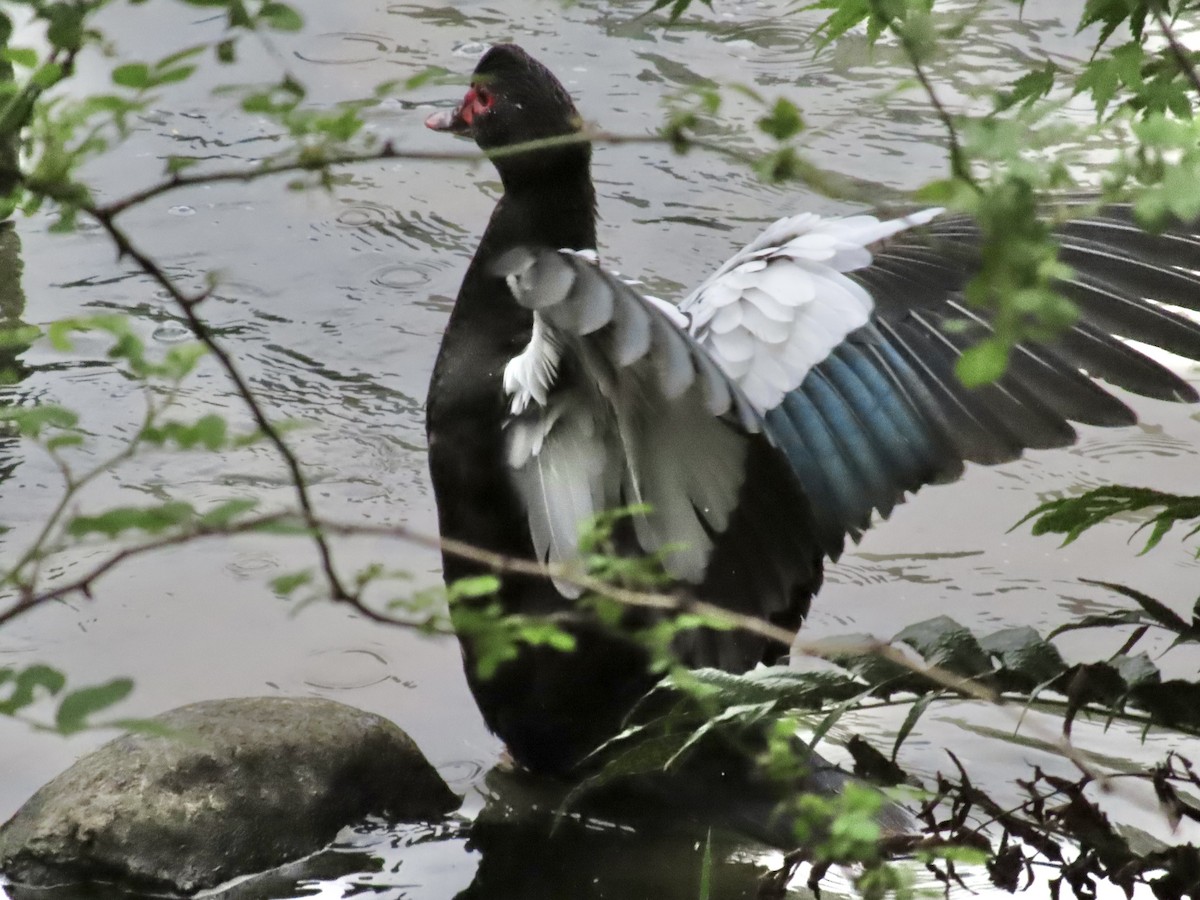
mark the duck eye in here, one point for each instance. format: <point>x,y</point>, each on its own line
<point>477,100</point>
<point>483,99</point>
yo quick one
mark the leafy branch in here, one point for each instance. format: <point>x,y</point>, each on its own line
<point>1071,516</point>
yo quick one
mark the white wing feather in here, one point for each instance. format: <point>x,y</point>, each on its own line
<point>781,305</point>
<point>634,427</point>
<point>644,418</point>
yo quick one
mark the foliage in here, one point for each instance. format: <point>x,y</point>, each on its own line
<point>1058,826</point>
<point>1072,516</point>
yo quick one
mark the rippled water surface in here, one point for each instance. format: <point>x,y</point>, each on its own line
<point>333,303</point>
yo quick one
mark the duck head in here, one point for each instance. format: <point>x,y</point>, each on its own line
<point>514,100</point>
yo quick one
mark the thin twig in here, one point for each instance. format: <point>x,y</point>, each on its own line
<point>958,160</point>
<point>1181,53</point>
<point>499,563</point>
<point>199,328</point>
<point>828,184</point>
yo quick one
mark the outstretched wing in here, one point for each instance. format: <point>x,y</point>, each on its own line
<point>611,405</point>
<point>844,334</point>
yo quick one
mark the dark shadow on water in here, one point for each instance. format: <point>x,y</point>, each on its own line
<point>624,848</point>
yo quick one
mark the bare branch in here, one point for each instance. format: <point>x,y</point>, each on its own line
<point>827,183</point>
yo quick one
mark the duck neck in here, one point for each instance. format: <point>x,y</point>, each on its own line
<point>556,209</point>
<point>487,327</point>
<point>549,201</point>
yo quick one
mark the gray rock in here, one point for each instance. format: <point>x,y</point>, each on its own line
<point>237,786</point>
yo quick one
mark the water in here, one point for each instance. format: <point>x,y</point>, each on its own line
<point>332,304</point>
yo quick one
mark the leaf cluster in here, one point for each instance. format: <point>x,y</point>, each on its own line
<point>24,687</point>
<point>1057,824</point>
<point>1072,516</point>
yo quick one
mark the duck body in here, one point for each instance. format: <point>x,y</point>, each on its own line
<point>549,707</point>
<point>552,708</point>
<point>807,386</point>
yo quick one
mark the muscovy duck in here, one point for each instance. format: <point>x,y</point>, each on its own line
<point>807,385</point>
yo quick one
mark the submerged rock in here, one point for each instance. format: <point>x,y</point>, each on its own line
<point>236,786</point>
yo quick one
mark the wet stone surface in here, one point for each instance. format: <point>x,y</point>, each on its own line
<point>236,786</point>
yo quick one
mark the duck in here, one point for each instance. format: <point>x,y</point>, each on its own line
<point>793,398</point>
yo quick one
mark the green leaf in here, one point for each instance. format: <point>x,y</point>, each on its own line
<point>210,431</point>
<point>239,16</point>
<point>171,76</point>
<point>59,441</point>
<point>132,75</point>
<point>945,643</point>
<point>1027,660</point>
<point>473,587</point>
<point>224,513</point>
<point>176,164</point>
<point>983,363</point>
<point>47,75</point>
<point>846,16</point>
<point>678,7</point>
<point>150,519</point>
<point>1072,516</point>
<point>1028,88</point>
<point>1110,14</point>
<point>31,421</point>
<point>424,77</point>
<point>1156,609</point>
<point>783,122</point>
<point>644,755</point>
<point>77,706</point>
<point>20,56</point>
<point>179,56</point>
<point>1107,620</point>
<point>66,25</point>
<point>286,585</point>
<point>18,337</point>
<point>781,165</point>
<point>281,17</point>
<point>23,685</point>
<point>180,361</point>
<point>915,711</point>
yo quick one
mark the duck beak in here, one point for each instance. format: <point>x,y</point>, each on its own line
<point>449,120</point>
